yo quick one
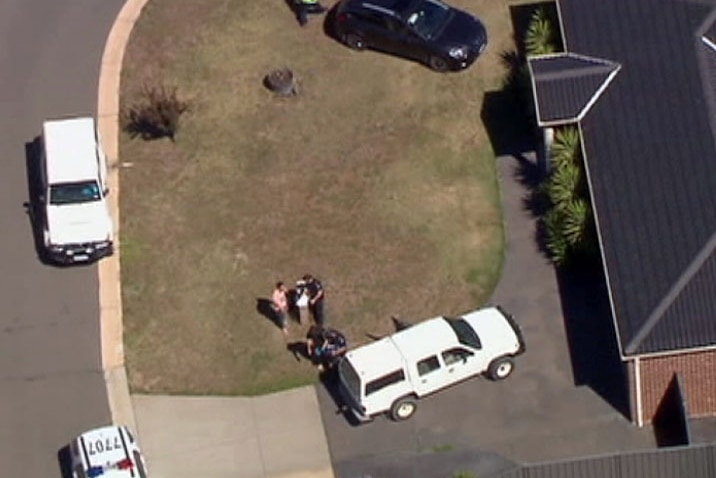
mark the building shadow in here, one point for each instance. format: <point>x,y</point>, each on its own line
<point>506,122</point>
<point>592,340</point>
<point>671,420</point>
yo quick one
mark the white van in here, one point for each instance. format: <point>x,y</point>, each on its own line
<point>390,374</point>
<point>77,226</point>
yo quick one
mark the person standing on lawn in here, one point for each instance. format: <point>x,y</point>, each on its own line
<point>280,306</point>
<point>315,299</point>
<point>307,7</point>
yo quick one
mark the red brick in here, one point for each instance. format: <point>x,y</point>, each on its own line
<point>697,373</point>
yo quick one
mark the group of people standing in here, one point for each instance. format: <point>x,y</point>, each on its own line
<point>324,346</point>
<point>307,297</point>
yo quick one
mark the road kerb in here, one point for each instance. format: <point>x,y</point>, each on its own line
<point>110,293</point>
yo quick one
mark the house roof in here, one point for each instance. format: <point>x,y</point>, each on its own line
<point>649,143</point>
<point>566,85</point>
<point>696,461</point>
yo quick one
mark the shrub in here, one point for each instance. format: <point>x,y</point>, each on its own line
<point>539,39</point>
<point>155,115</point>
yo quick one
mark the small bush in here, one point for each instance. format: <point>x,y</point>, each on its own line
<point>539,39</point>
<point>156,115</point>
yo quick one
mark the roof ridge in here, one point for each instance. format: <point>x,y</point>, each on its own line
<point>670,297</point>
<point>578,71</point>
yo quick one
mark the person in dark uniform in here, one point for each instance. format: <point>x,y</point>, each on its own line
<point>307,7</point>
<point>325,346</point>
<point>316,296</point>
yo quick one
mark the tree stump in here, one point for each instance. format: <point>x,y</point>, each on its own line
<point>282,82</point>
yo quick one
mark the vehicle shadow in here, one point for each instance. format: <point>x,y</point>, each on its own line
<point>64,461</point>
<point>329,382</point>
<point>33,206</point>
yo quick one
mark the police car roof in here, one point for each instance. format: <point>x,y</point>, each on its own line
<point>104,448</point>
<point>70,150</point>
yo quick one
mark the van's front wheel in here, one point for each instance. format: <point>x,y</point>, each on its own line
<point>403,408</point>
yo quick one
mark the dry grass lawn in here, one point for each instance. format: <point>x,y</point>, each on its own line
<point>378,179</point>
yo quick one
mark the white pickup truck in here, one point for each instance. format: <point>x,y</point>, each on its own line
<point>390,374</point>
<point>77,226</point>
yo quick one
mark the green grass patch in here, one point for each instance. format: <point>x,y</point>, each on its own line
<point>377,178</point>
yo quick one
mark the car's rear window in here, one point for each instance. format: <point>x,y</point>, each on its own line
<point>349,377</point>
<point>465,334</point>
<point>384,381</point>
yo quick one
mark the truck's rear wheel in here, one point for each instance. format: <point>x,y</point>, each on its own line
<point>501,368</point>
<point>403,408</point>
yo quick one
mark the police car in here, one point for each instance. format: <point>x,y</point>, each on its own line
<point>107,452</point>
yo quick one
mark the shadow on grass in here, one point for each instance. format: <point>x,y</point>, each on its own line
<point>299,349</point>
<point>265,308</point>
<point>593,346</point>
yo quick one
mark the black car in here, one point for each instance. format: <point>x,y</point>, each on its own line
<point>430,31</point>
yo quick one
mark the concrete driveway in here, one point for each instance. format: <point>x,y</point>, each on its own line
<point>537,414</point>
<point>51,381</point>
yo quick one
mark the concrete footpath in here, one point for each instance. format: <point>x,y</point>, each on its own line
<point>278,435</point>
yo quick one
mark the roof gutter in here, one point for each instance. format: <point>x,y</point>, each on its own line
<point>667,353</point>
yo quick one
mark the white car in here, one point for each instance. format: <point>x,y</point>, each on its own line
<point>390,374</point>
<point>77,226</point>
<point>107,452</point>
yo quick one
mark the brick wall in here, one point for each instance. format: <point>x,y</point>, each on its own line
<point>697,372</point>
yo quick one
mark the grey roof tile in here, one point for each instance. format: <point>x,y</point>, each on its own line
<point>650,152</point>
<point>566,85</point>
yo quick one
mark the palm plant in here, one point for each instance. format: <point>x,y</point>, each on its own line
<point>539,39</point>
<point>569,224</point>
<point>566,146</point>
<point>554,239</point>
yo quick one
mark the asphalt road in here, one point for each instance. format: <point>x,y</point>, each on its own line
<point>51,381</point>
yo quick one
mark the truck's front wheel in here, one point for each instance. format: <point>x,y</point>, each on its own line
<point>501,368</point>
<point>403,408</point>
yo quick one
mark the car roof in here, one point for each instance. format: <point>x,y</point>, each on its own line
<point>424,339</point>
<point>103,449</point>
<point>389,6</point>
<point>375,359</point>
<point>70,150</point>
<point>414,343</point>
